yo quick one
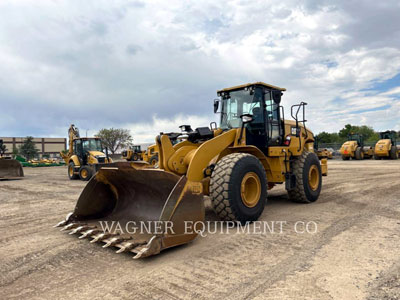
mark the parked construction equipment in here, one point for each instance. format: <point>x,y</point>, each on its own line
<point>253,149</point>
<point>354,148</point>
<point>84,155</point>
<point>386,146</point>
<point>322,152</point>
<point>9,168</point>
<point>135,153</point>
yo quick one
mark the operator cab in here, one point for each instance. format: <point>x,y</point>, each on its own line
<point>359,138</point>
<point>257,108</point>
<point>388,135</point>
<point>82,147</point>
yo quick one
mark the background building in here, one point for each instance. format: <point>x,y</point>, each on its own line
<point>45,146</point>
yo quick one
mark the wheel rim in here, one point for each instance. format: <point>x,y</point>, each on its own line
<point>313,177</point>
<point>84,173</point>
<point>71,171</point>
<point>250,189</point>
<point>153,162</point>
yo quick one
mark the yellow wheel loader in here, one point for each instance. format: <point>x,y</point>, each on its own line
<point>9,168</point>
<point>354,148</point>
<point>386,146</point>
<point>135,153</point>
<point>151,154</point>
<point>253,149</point>
<point>84,156</point>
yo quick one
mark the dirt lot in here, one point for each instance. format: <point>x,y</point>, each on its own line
<point>355,253</point>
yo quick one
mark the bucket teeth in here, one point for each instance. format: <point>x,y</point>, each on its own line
<point>60,224</point>
<point>64,222</point>
<point>89,232</point>
<point>125,246</point>
<point>113,242</point>
<point>100,237</point>
<point>151,248</point>
<point>79,229</point>
<point>69,226</point>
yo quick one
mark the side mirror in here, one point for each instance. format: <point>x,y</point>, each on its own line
<point>246,118</point>
<point>216,105</point>
<point>276,96</point>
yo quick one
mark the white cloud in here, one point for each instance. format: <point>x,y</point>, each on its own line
<point>120,63</point>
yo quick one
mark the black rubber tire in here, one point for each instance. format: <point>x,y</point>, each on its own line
<point>345,157</point>
<point>300,167</point>
<point>73,176</point>
<point>393,153</point>
<point>89,172</point>
<point>225,186</point>
<point>376,157</point>
<point>135,157</point>
<point>359,154</point>
<point>153,158</point>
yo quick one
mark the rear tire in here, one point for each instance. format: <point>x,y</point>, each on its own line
<point>71,169</point>
<point>376,157</point>
<point>393,153</point>
<point>85,173</point>
<point>307,170</point>
<point>153,160</point>
<point>359,153</point>
<point>238,188</point>
<point>345,157</point>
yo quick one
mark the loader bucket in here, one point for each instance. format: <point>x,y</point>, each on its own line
<point>10,169</point>
<point>141,210</point>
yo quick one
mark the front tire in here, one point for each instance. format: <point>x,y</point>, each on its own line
<point>85,173</point>
<point>345,157</point>
<point>238,188</point>
<point>71,169</point>
<point>307,170</point>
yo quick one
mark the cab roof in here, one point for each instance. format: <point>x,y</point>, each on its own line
<point>238,87</point>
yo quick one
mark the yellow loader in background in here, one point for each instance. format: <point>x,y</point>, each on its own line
<point>9,168</point>
<point>253,149</point>
<point>354,148</point>
<point>386,147</point>
<point>84,155</point>
<point>135,153</point>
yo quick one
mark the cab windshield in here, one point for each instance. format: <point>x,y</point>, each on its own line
<point>239,103</point>
<point>242,102</point>
<point>91,145</point>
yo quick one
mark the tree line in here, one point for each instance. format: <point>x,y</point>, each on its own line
<point>370,135</point>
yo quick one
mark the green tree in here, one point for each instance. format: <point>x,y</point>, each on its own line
<point>114,138</point>
<point>28,149</point>
<point>15,151</point>
<point>367,131</point>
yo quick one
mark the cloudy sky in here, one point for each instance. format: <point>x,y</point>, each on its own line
<point>151,66</point>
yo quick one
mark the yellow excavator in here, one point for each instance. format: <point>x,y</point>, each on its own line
<point>386,147</point>
<point>354,148</point>
<point>85,155</point>
<point>253,149</point>
<point>9,168</point>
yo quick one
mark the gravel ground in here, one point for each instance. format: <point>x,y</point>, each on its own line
<point>354,253</point>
